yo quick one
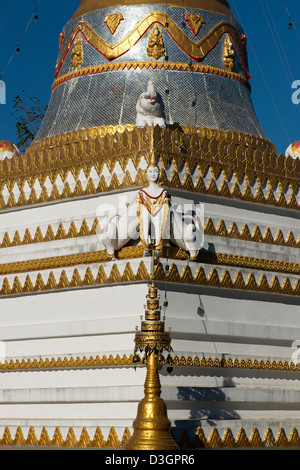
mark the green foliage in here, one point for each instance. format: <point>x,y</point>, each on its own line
<point>29,118</point>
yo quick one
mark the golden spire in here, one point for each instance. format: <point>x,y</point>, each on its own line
<point>152,428</point>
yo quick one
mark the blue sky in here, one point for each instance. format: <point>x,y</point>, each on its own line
<point>273,52</point>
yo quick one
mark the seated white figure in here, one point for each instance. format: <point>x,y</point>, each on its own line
<point>293,150</point>
<point>149,110</point>
<point>153,218</point>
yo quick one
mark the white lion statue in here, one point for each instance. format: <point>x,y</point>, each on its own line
<point>149,109</point>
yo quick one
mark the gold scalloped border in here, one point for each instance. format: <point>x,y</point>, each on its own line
<point>256,235</point>
<point>32,236</point>
<point>185,441</point>
<point>127,361</point>
<point>241,280</point>
<point>173,66</point>
<point>130,252</point>
<point>242,160</point>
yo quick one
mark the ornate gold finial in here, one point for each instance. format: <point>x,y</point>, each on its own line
<point>156,47</point>
<point>77,52</point>
<point>152,426</point>
<point>229,54</point>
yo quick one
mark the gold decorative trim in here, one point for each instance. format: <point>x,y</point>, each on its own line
<point>58,441</point>
<point>32,236</point>
<point>53,262</point>
<point>248,262</point>
<point>239,160</point>
<point>63,282</point>
<point>185,441</point>
<point>177,66</point>
<point>241,280</point>
<point>258,235</point>
<point>222,259</point>
<point>196,51</point>
<point>118,361</point>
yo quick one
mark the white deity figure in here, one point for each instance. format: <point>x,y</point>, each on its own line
<point>149,110</point>
<point>161,220</point>
<point>153,211</point>
<point>293,150</point>
<point>153,218</point>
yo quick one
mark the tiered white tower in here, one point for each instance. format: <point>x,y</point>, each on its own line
<point>68,313</point>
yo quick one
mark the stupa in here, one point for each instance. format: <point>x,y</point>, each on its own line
<point>163,86</point>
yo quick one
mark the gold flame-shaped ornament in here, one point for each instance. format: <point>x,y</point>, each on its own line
<point>195,21</point>
<point>112,21</point>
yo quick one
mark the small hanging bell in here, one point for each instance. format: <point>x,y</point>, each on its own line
<point>135,359</point>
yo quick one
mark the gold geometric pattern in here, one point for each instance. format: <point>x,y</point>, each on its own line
<point>218,163</point>
<point>215,277</point>
<point>176,66</point>
<point>62,232</point>
<point>196,51</point>
<point>213,441</point>
<point>255,235</point>
<point>35,235</point>
<point>222,259</point>
<point>177,361</point>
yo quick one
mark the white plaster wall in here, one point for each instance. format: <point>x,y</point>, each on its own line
<point>203,322</point>
<point>102,320</point>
